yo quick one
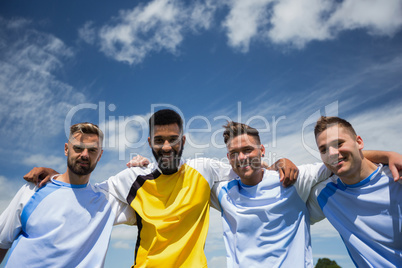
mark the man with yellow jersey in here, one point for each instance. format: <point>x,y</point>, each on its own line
<point>171,198</point>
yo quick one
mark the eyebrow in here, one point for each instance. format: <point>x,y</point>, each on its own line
<point>85,146</point>
<point>243,148</point>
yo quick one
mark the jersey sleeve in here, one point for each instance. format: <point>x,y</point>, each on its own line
<point>120,184</point>
<point>310,175</point>
<point>10,219</point>
<point>316,213</point>
<point>123,212</point>
<point>212,170</point>
<point>215,195</point>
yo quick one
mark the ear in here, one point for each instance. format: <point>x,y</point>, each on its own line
<point>65,149</point>
<point>227,155</point>
<point>149,142</point>
<point>360,142</point>
<point>262,150</point>
<point>183,140</point>
<point>100,155</point>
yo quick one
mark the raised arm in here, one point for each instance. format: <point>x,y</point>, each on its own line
<point>392,159</point>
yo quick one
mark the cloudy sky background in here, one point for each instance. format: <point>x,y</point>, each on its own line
<point>276,65</point>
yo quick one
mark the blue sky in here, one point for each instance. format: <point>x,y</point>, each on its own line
<point>276,65</point>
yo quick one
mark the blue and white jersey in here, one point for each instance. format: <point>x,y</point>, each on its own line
<point>60,225</point>
<point>267,225</point>
<point>367,215</point>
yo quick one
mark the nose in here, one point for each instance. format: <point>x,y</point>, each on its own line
<point>242,156</point>
<point>85,153</point>
<point>333,151</point>
<point>166,146</point>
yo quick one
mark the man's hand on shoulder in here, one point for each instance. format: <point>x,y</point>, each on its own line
<point>138,161</point>
<point>288,171</point>
<point>395,165</point>
<point>40,175</point>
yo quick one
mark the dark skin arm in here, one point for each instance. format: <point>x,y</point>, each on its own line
<point>40,175</point>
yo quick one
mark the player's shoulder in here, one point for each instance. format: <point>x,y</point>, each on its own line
<point>134,172</point>
<point>27,190</point>
<point>385,170</point>
<point>271,175</point>
<point>203,163</point>
<point>270,172</point>
<point>332,180</point>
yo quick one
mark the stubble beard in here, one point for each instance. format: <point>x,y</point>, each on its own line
<point>76,168</point>
<point>172,166</point>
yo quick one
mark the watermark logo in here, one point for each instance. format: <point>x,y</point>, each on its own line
<point>331,109</point>
<point>130,133</point>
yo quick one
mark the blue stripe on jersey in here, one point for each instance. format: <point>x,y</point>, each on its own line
<point>366,180</point>
<point>327,192</point>
<point>331,188</point>
<point>34,202</point>
<point>226,188</point>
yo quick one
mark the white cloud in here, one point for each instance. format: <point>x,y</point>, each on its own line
<point>122,245</point>
<point>87,33</point>
<point>378,17</point>
<point>298,22</point>
<point>159,25</point>
<point>217,262</point>
<point>142,30</point>
<point>124,232</point>
<point>323,230</point>
<point>244,21</point>
<point>34,100</point>
<point>124,237</point>
<point>38,160</point>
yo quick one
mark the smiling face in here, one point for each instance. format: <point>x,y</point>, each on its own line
<point>83,152</point>
<point>244,154</point>
<point>167,147</point>
<point>341,152</point>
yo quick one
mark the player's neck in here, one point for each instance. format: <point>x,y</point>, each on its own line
<point>366,168</point>
<point>255,179</point>
<point>72,178</point>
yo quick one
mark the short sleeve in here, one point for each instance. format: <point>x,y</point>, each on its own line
<point>212,170</point>
<point>10,219</point>
<point>215,195</point>
<point>310,175</point>
<point>124,214</point>
<point>120,184</point>
<point>316,213</point>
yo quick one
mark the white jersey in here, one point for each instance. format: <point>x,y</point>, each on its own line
<point>60,225</point>
<point>367,215</point>
<point>267,225</point>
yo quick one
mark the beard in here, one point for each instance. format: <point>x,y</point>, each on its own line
<point>168,167</point>
<point>76,168</point>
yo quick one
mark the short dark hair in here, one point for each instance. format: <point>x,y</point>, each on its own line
<point>86,128</point>
<point>234,129</point>
<point>325,122</point>
<point>165,117</point>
